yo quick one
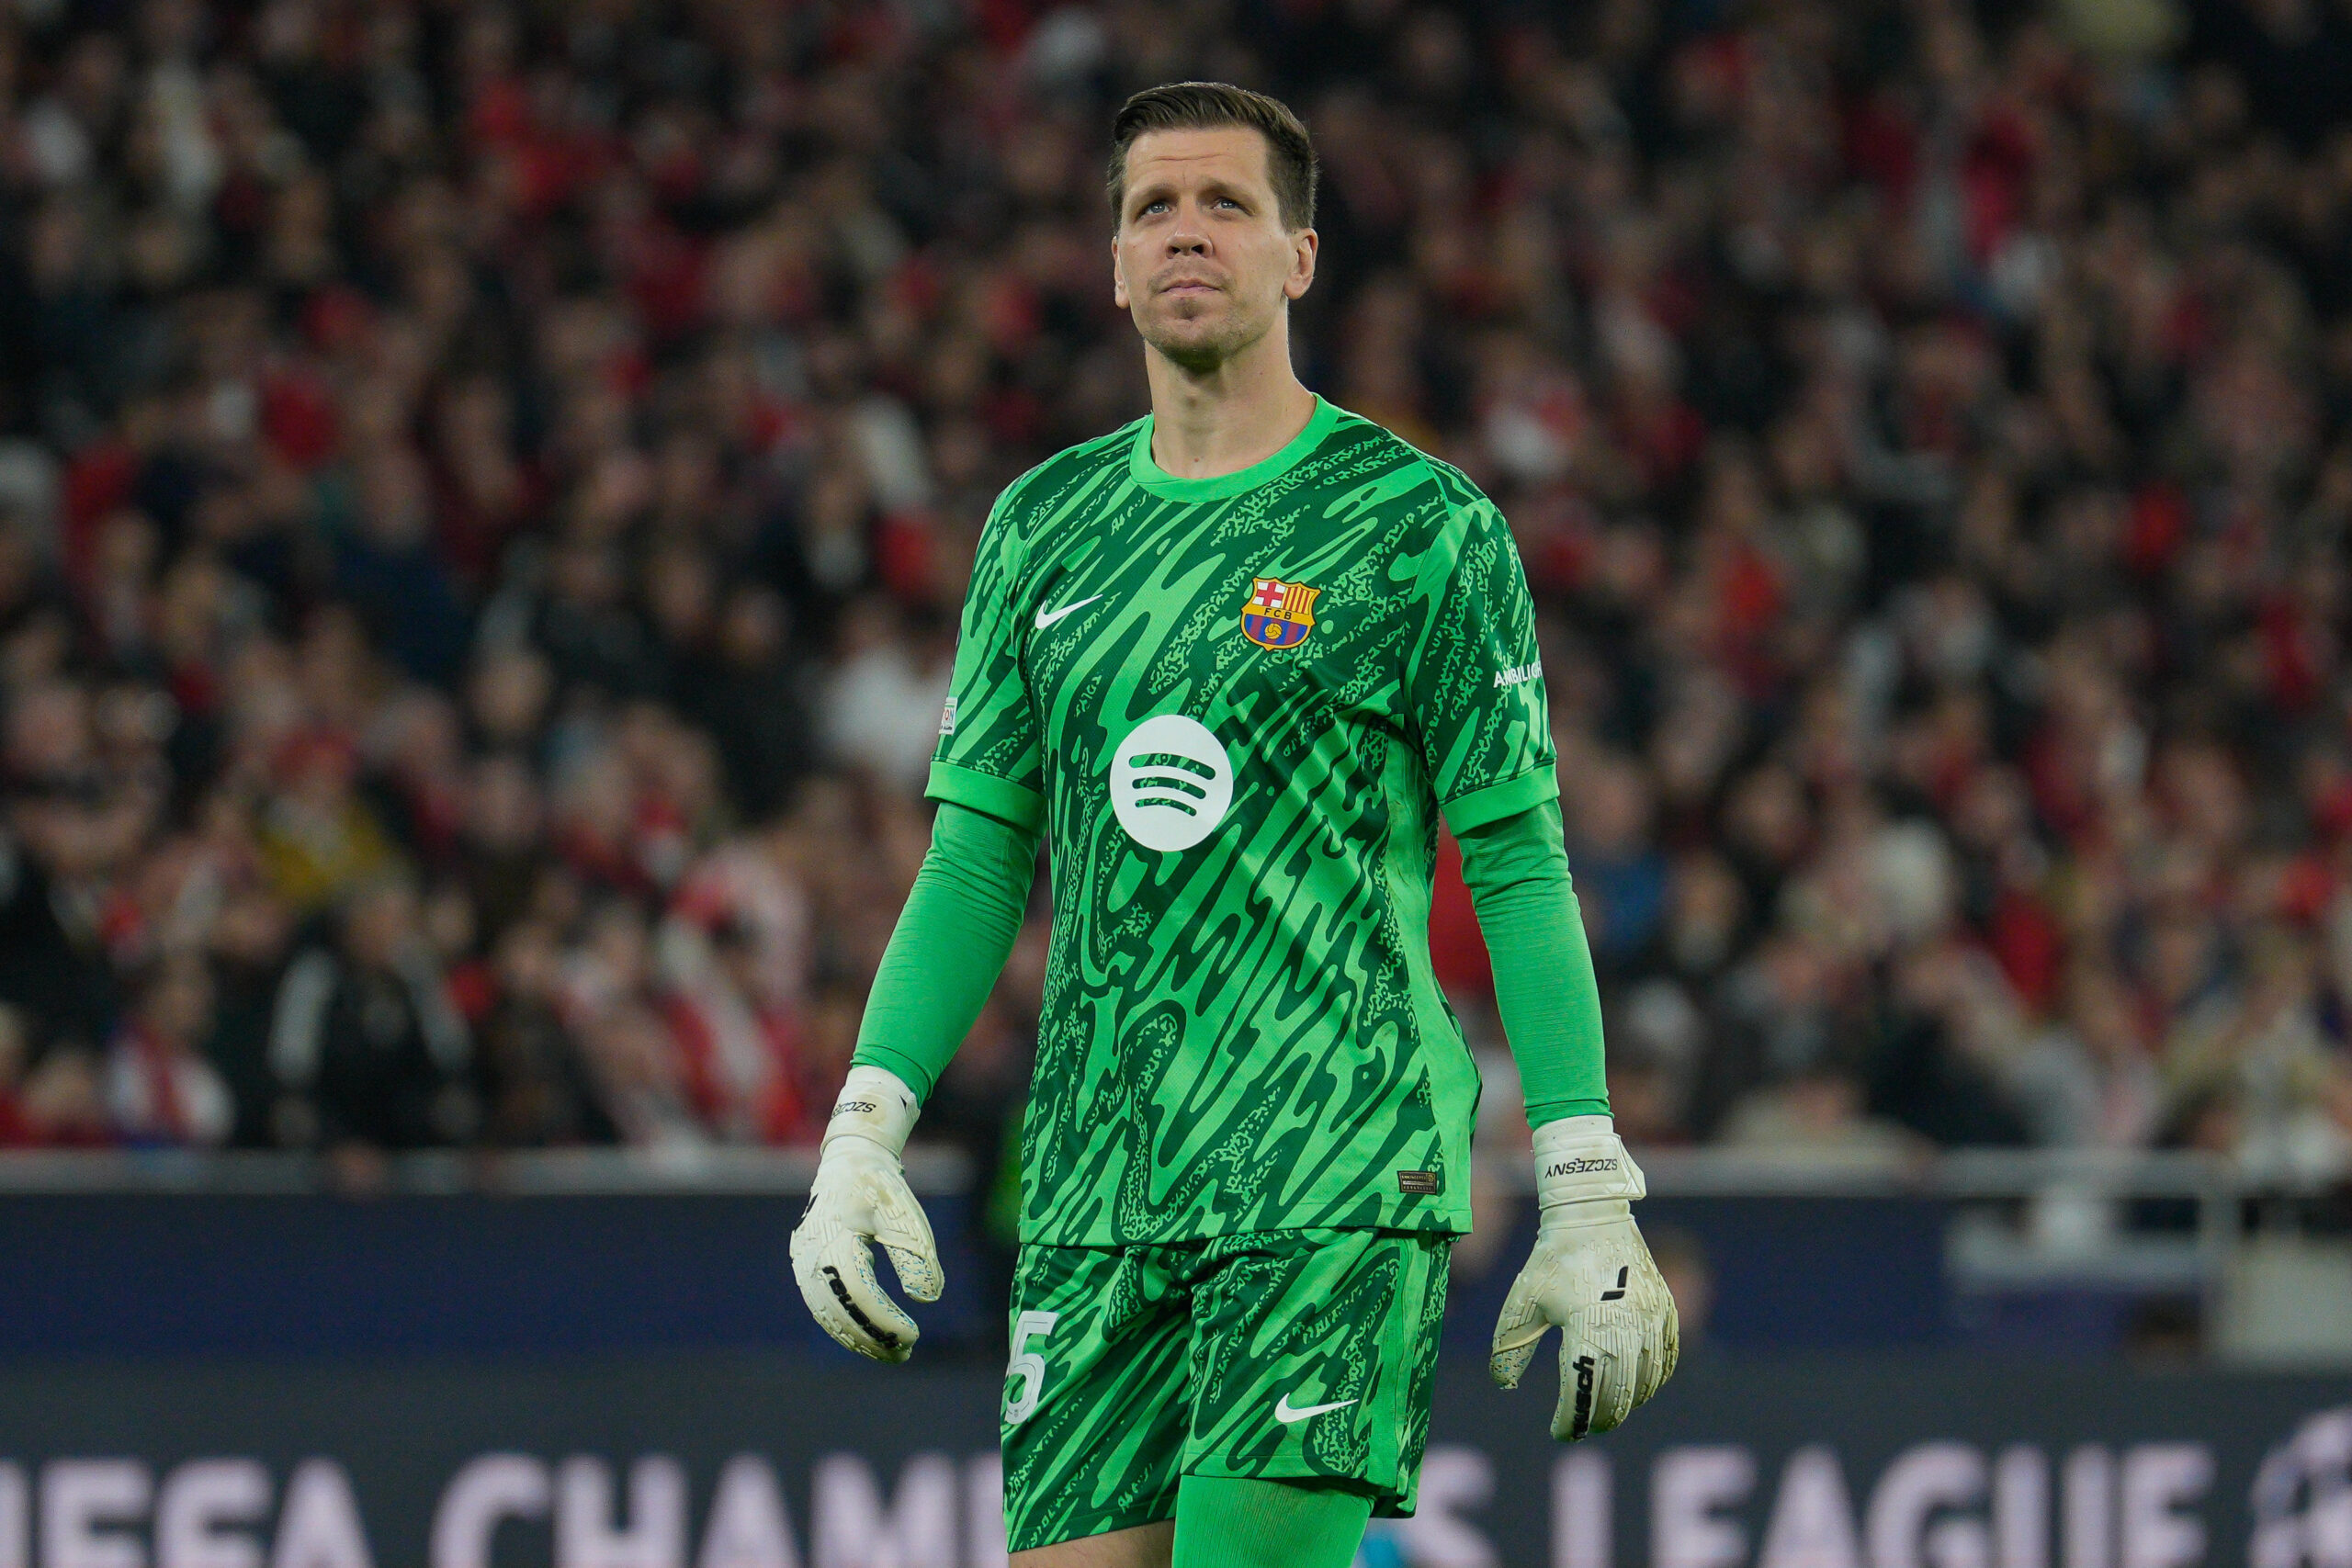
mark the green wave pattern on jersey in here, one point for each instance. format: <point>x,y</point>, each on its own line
<point>1241,1031</point>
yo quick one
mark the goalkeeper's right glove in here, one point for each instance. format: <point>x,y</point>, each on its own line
<point>1592,1275</point>
<point>861,1196</point>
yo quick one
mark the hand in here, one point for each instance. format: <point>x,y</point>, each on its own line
<point>860,1197</point>
<point>1591,1277</point>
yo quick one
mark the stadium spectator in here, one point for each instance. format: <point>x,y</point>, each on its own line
<point>159,1089</point>
<point>538,1089</point>
<point>484,492</point>
<point>366,1045</point>
<point>17,1127</point>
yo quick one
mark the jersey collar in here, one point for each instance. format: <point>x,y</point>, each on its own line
<point>1159,482</point>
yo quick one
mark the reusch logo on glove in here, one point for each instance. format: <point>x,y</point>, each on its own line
<point>882,1336</point>
<point>1579,1166</point>
<point>1583,1399</point>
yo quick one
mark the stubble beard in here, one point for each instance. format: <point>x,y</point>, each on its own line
<point>1199,346</point>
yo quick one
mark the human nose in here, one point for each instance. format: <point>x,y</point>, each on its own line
<point>1188,235</point>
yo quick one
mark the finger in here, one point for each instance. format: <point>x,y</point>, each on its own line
<point>885,1322</point>
<point>822,1305</point>
<point>1647,1361</point>
<point>1507,1367</point>
<point>1522,1321</point>
<point>1658,1346</point>
<point>1517,1333</point>
<point>1621,1338</point>
<point>1598,1351</point>
<point>904,1231</point>
<point>1649,1370</point>
<point>919,1272</point>
<point>831,1317</point>
<point>1580,1375</point>
<point>858,1312</point>
<point>1649,1353</point>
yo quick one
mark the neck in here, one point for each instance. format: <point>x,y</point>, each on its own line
<point>1206,423</point>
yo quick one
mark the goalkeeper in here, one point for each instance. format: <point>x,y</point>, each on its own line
<point>1234,660</point>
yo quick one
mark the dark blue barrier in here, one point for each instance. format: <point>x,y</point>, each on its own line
<point>164,1273</point>
<point>776,1462</point>
<point>1789,1273</point>
<point>161,1274</point>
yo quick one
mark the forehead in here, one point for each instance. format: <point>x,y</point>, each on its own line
<point>1226,154</point>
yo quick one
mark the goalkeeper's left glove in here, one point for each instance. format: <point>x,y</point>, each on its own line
<point>861,1196</point>
<point>1592,1276</point>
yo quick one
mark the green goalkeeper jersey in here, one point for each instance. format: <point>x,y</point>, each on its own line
<point>1237,706</point>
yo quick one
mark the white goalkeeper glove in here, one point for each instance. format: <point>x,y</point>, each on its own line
<point>1591,1277</point>
<point>861,1196</point>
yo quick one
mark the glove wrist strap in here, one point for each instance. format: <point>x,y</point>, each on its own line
<point>875,1105</point>
<point>1579,1164</point>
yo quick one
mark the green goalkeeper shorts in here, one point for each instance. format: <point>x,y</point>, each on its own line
<point>1289,1355</point>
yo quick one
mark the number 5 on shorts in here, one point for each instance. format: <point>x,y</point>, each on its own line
<point>1027,1365</point>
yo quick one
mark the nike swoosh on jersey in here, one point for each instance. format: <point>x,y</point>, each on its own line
<point>1047,617</point>
<point>1284,1414</point>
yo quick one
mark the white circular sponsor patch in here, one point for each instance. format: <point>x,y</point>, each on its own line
<point>1170,782</point>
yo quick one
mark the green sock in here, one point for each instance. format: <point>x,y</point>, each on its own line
<point>1227,1523</point>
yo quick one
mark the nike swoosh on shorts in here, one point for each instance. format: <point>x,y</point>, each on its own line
<point>1284,1414</point>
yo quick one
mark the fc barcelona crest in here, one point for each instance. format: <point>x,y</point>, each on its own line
<point>1279,614</point>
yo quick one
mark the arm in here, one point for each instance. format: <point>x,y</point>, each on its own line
<point>1517,869</point>
<point>988,774</point>
<point>1477,679</point>
<point>951,942</point>
<point>1586,1245</point>
<point>1592,1274</point>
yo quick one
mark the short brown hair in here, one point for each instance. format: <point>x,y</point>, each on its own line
<point>1209,106</point>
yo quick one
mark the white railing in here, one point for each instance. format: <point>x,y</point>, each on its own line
<point>533,1173</point>
<point>1960,1173</point>
<point>1963,1174</point>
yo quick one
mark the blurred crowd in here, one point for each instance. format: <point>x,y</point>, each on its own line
<point>485,493</point>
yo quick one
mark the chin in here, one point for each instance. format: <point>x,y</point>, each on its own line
<point>1198,342</point>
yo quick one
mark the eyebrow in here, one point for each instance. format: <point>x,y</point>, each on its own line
<point>1149,191</point>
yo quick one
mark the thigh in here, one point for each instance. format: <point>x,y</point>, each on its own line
<point>1145,1546</point>
<point>1314,1358</point>
<point>1093,1417</point>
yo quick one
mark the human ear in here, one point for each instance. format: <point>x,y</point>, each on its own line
<point>1303,245</point>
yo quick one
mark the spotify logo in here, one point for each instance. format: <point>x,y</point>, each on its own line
<point>1170,782</point>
